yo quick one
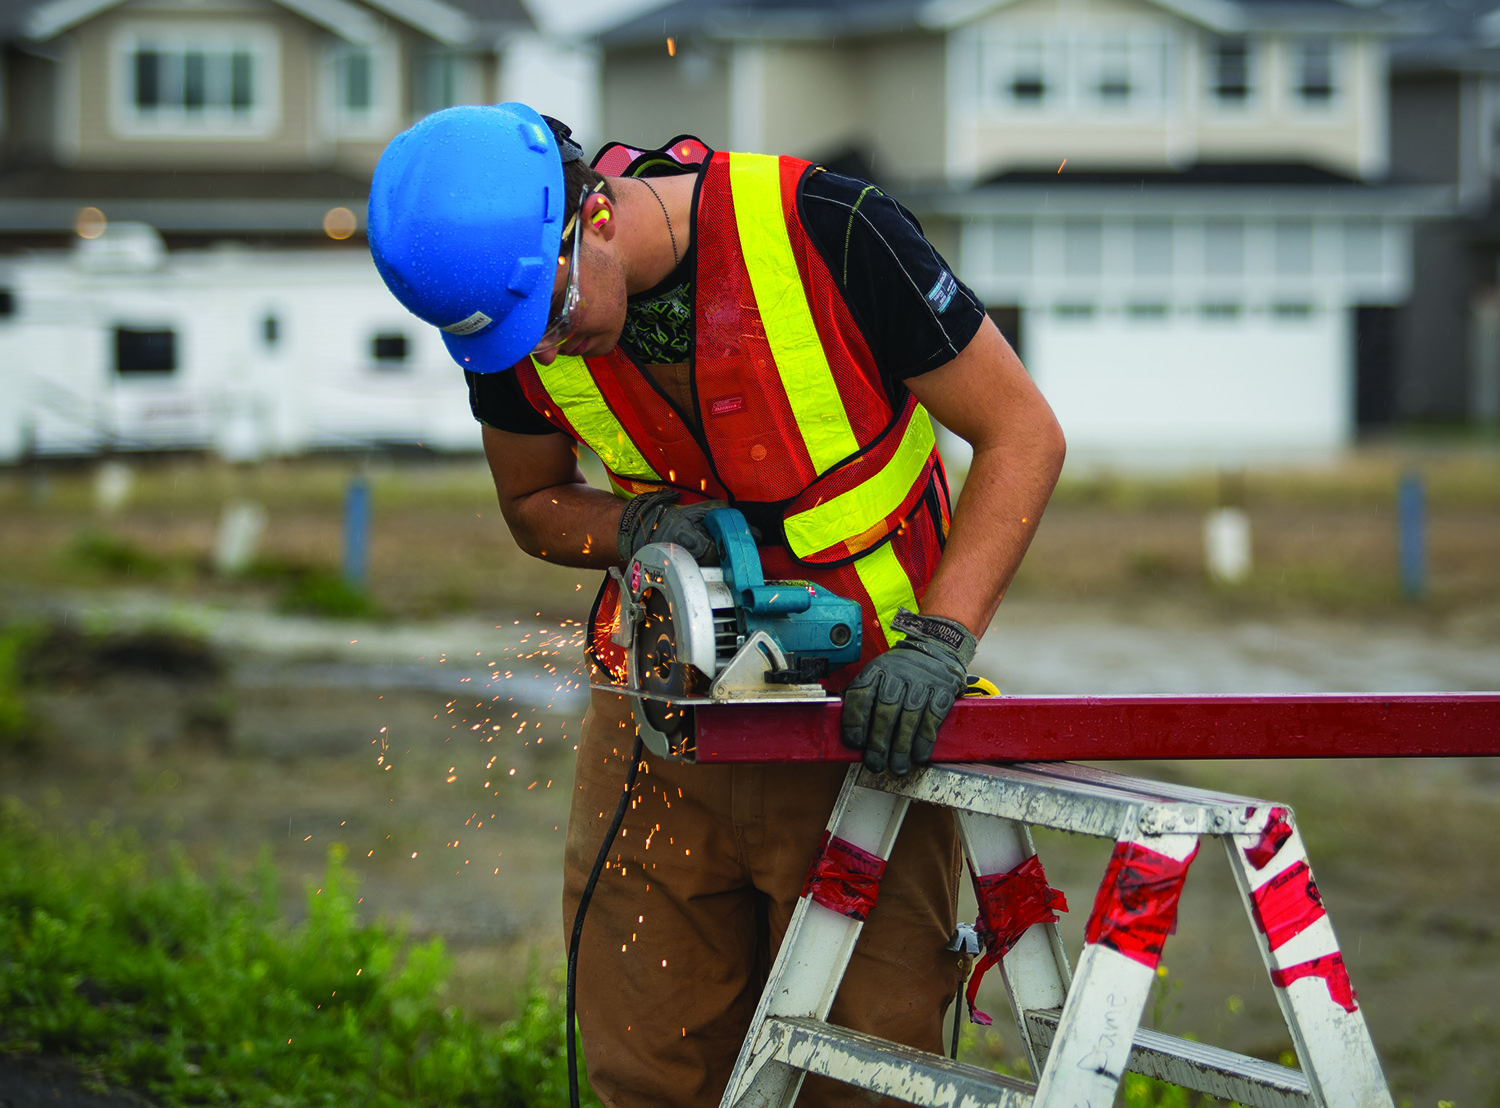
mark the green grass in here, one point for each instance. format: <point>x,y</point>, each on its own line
<point>194,990</point>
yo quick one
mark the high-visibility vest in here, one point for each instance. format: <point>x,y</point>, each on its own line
<point>794,425</point>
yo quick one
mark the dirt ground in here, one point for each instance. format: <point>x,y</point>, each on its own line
<point>453,811</point>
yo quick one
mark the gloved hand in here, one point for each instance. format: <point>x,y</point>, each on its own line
<point>656,517</point>
<point>893,709</point>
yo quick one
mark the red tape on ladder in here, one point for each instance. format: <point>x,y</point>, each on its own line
<point>1136,907</point>
<point>1009,903</point>
<point>1330,967</point>
<point>844,878</point>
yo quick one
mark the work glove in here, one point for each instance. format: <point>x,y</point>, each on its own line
<point>656,517</point>
<point>893,709</point>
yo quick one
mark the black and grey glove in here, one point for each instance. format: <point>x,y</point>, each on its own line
<point>893,709</point>
<point>656,517</point>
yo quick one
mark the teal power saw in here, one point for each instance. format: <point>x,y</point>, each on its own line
<point>696,634</point>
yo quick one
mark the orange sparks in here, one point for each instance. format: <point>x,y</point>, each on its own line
<point>671,47</point>
<point>1064,162</point>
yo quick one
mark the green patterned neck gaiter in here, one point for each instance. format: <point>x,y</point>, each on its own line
<point>659,330</point>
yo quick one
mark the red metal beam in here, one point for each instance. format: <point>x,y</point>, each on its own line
<point>1114,728</point>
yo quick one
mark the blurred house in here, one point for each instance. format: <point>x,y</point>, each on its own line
<point>1445,130</point>
<point>182,195</point>
<point>1180,211</point>
<point>1194,218</point>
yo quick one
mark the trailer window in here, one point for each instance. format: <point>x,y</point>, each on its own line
<point>138,351</point>
<point>390,350</point>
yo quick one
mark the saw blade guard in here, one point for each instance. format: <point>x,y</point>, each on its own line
<point>694,632</point>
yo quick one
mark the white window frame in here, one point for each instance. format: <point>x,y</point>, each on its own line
<point>1147,57</point>
<point>377,120</point>
<point>1253,53</point>
<point>1070,66</point>
<point>1005,58</point>
<point>215,121</point>
<point>1297,71</point>
<point>465,79</point>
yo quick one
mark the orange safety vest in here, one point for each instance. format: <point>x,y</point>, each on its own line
<point>795,426</point>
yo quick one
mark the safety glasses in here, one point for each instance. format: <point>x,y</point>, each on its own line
<point>560,329</point>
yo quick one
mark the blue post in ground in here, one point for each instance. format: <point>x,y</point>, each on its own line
<point>1413,514</point>
<point>357,532</point>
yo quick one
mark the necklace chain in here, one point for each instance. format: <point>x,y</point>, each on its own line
<point>676,259</point>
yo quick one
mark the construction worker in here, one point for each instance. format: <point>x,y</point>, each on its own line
<point>757,331</point>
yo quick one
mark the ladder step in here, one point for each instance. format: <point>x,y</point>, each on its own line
<point>1252,1082</point>
<point>887,1068</point>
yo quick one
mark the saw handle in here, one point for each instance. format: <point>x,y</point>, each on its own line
<point>740,561</point>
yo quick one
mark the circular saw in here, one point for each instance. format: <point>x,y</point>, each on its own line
<point>697,634</point>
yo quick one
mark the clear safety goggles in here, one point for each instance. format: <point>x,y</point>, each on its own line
<point>561,327</point>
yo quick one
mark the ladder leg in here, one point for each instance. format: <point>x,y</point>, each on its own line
<point>813,956</point>
<point>1134,912</point>
<point>1035,972</point>
<point>1297,943</point>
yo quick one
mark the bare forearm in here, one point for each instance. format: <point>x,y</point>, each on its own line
<point>993,525</point>
<point>571,525</point>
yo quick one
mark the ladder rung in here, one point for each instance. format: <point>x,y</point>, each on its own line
<point>888,1068</point>
<point>1252,1082</point>
<point>1069,798</point>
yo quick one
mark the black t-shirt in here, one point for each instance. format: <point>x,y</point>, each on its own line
<point>914,314</point>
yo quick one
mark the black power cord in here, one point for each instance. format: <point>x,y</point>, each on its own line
<point>583,906</point>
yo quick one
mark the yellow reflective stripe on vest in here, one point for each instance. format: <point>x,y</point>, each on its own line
<point>755,183</point>
<point>865,507</point>
<point>571,387</point>
<point>889,587</point>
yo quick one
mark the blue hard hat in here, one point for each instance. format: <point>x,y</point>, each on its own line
<point>465,223</point>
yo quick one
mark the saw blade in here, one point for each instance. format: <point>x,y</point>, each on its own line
<point>661,672</point>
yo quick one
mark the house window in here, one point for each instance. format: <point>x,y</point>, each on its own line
<point>1083,247</point>
<point>1223,248</point>
<point>354,91</point>
<point>209,82</point>
<point>1012,244</point>
<point>1314,70</point>
<point>361,93</point>
<point>390,349</point>
<point>1153,248</point>
<point>1294,247</point>
<point>142,351</point>
<point>1112,77</point>
<point>1123,70</point>
<point>1229,71</point>
<point>1073,312</point>
<point>439,82</point>
<point>1022,71</point>
<point>1082,70</point>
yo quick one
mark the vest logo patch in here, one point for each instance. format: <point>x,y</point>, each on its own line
<point>941,293</point>
<point>726,404</point>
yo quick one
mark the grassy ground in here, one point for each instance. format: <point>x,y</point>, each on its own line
<point>188,761</point>
<point>1325,539</point>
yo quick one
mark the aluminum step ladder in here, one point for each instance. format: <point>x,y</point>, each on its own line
<point>1080,1029</point>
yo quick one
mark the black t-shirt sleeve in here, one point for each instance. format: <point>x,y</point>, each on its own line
<point>915,314</point>
<point>497,401</point>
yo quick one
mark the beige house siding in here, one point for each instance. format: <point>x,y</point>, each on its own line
<point>301,132</point>
<point>811,99</point>
<point>904,110</point>
<point>100,143</point>
<point>1276,127</point>
<point>650,97</point>
<point>990,136</point>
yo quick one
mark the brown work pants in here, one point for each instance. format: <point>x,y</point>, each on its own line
<point>683,926</point>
